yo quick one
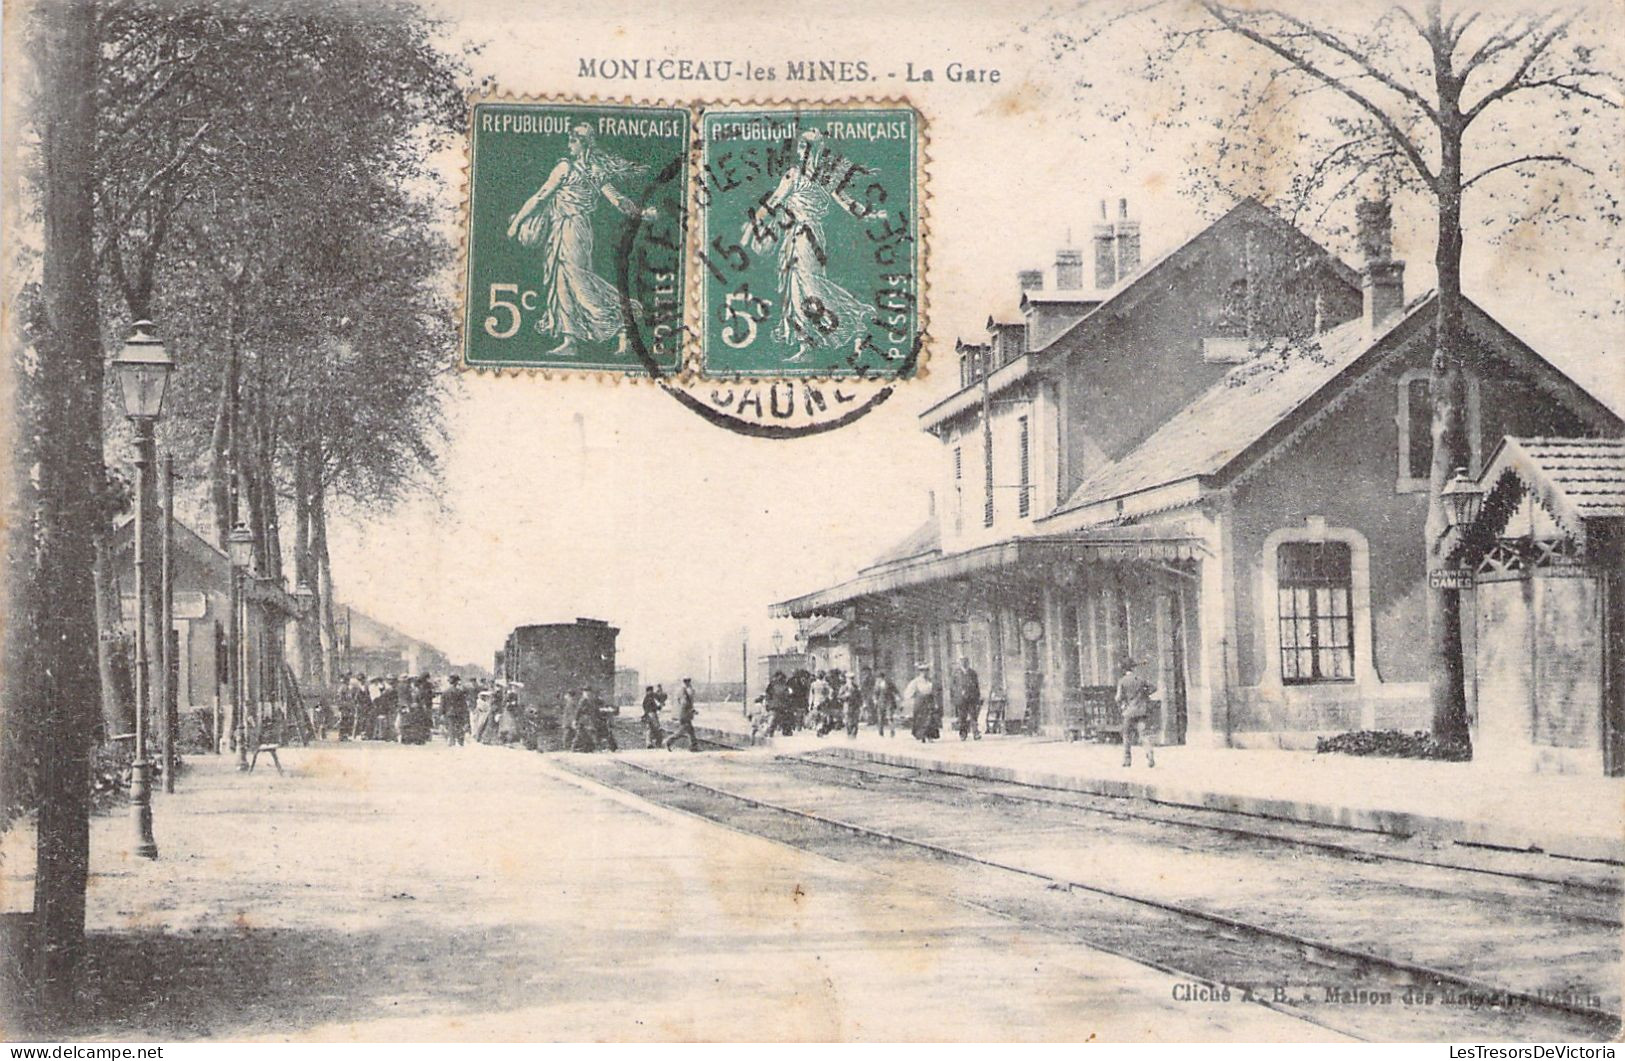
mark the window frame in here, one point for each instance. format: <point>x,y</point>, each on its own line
<point>1404,482</point>
<point>1310,624</point>
<point>1266,621</point>
<point>1024,503</point>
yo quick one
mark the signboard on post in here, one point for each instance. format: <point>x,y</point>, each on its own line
<point>1452,578</point>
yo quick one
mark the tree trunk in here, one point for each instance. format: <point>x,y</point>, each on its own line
<point>67,451</point>
<point>311,665</point>
<point>1451,445</point>
<point>220,449</point>
<point>324,566</point>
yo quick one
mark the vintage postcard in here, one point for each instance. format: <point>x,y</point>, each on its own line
<point>703,521</point>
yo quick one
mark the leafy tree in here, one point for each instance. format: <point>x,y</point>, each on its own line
<point>261,226</point>
<point>60,489</point>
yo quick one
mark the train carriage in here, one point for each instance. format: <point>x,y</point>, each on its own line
<point>551,663</point>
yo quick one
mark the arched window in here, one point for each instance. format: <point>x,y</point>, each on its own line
<point>1315,610</point>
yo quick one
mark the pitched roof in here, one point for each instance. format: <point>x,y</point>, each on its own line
<point>1255,400</point>
<point>1225,419</point>
<point>1248,209</point>
<point>1100,306</point>
<point>925,539</point>
<point>1586,476</point>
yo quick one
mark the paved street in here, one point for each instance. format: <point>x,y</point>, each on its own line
<point>388,892</point>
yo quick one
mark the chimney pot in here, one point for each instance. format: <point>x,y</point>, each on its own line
<point>1382,280</point>
<point>1128,243</point>
<point>1105,253</point>
<point>1031,279</point>
<point>1068,270</point>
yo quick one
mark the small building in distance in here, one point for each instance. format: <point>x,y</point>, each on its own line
<point>368,646</point>
<point>628,690</point>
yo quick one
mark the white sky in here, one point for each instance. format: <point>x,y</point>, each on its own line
<point>575,497</point>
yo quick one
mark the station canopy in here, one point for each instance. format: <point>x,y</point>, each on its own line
<point>1112,544</point>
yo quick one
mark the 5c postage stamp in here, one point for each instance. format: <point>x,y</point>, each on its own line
<point>810,255</point>
<point>577,236</point>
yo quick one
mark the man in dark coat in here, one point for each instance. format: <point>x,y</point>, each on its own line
<point>656,736</point>
<point>967,697</point>
<point>780,705</point>
<point>454,709</point>
<point>884,699</point>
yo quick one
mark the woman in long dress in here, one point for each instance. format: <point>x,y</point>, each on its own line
<point>814,311</point>
<point>580,305</point>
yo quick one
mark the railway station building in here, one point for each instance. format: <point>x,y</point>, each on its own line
<point>1215,462</point>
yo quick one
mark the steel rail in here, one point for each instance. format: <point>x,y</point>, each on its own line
<point>1319,951</point>
<point>1354,853</point>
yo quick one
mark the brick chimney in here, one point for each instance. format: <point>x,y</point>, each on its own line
<point>1128,242</point>
<point>1033,279</point>
<point>1068,269</point>
<point>1105,251</point>
<point>1382,279</point>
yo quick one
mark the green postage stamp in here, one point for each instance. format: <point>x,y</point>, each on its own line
<point>809,255</point>
<point>576,237</point>
<point>806,252</point>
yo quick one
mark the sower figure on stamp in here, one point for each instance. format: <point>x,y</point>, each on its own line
<point>1134,697</point>
<point>814,311</point>
<point>454,709</point>
<point>967,697</point>
<point>580,305</point>
<point>685,718</point>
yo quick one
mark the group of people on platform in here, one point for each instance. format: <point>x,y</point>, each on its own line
<point>827,700</point>
<point>403,708</point>
<point>654,702</point>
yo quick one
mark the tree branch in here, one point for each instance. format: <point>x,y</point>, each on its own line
<point>1303,63</point>
<point>1559,160</point>
<point>1516,81</point>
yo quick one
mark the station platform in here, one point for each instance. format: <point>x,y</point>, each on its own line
<point>1565,816</point>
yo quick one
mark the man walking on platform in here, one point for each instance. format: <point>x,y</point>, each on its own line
<point>685,718</point>
<point>884,699</point>
<point>967,697</point>
<point>1134,697</point>
<point>852,704</point>
<point>454,709</point>
<point>651,718</point>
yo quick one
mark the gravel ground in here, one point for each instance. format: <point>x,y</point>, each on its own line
<point>377,892</point>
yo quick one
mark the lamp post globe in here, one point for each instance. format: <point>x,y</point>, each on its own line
<point>240,546</point>
<point>1461,497</point>
<point>143,367</point>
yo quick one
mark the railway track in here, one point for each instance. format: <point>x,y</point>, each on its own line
<point>1315,963</point>
<point>1601,882</point>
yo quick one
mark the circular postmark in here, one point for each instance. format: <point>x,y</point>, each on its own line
<point>829,328</point>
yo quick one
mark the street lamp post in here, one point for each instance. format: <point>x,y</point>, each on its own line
<point>143,368</point>
<point>240,548</point>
